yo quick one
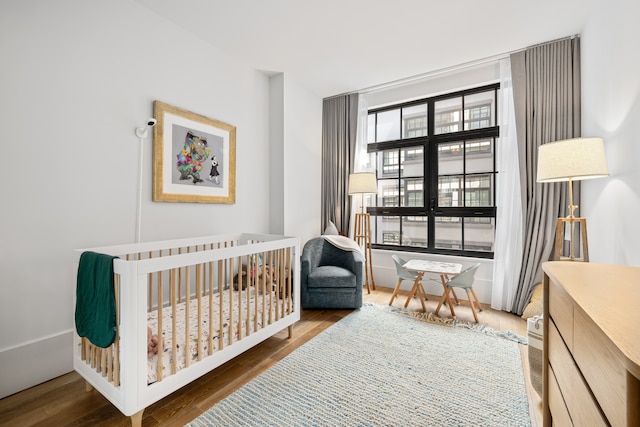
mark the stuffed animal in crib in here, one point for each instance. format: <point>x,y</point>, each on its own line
<point>255,272</point>
<point>193,154</point>
<point>243,274</point>
<point>152,343</point>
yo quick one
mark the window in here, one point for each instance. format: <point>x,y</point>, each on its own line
<point>436,173</point>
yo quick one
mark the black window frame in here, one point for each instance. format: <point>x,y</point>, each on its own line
<point>431,210</point>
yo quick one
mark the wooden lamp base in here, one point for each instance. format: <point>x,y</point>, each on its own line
<point>362,236</point>
<point>559,243</point>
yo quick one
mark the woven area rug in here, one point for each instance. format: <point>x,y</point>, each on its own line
<point>381,366</point>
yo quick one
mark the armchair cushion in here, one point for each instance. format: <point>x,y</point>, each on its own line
<point>329,276</point>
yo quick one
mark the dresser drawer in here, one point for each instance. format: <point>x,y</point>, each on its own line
<point>583,409</point>
<point>561,310</point>
<point>560,360</point>
<point>602,368</point>
<point>559,413</point>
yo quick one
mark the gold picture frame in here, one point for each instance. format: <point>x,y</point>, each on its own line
<point>194,157</point>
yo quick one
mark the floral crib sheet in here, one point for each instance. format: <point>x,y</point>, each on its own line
<point>269,301</point>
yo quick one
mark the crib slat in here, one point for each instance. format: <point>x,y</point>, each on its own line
<point>150,287</point>
<point>278,287</point>
<point>240,296</point>
<point>283,282</point>
<point>261,296</point>
<point>243,316</point>
<point>211,320</point>
<point>221,305</point>
<point>116,363</point>
<point>160,326</point>
<point>199,293</point>
<point>260,286</point>
<point>187,316</point>
<point>174,328</point>
<point>270,298</point>
<point>230,326</point>
<point>101,362</point>
<point>180,279</point>
<point>290,283</point>
<point>83,349</point>
<point>110,364</point>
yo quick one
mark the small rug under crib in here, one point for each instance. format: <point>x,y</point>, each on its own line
<point>380,366</point>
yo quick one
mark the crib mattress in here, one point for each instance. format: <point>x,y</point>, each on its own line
<point>266,303</point>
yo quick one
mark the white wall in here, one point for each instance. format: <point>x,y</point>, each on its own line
<point>302,161</point>
<point>276,156</point>
<point>611,110</point>
<point>77,79</point>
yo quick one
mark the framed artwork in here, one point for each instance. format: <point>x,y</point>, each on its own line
<point>194,157</point>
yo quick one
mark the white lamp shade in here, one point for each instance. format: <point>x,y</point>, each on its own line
<point>572,159</point>
<point>362,182</point>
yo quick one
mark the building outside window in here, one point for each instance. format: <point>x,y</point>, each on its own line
<point>436,173</point>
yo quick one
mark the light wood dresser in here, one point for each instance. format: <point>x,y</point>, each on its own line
<point>591,351</point>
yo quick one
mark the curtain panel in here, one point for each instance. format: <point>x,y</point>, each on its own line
<point>339,126</point>
<point>546,86</point>
<point>507,259</point>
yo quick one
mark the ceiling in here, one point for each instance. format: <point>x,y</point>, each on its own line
<point>338,46</point>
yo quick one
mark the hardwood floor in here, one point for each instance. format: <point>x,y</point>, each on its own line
<point>64,401</point>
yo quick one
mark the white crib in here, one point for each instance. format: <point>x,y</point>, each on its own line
<point>184,291</point>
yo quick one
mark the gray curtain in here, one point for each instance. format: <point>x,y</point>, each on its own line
<point>339,126</point>
<point>546,91</point>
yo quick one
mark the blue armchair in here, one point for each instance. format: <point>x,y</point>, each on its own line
<point>330,276</point>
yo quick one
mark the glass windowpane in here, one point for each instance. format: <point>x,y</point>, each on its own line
<point>479,155</point>
<point>389,163</point>
<point>388,126</point>
<point>478,110</point>
<point>448,232</point>
<point>412,161</point>
<point>371,128</point>
<point>479,234</point>
<point>414,231</point>
<point>448,115</point>
<point>451,191</point>
<point>388,230</point>
<point>450,158</point>
<point>388,193</point>
<point>412,192</point>
<point>414,121</point>
<point>478,190</point>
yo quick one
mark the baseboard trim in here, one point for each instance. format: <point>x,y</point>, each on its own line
<point>33,363</point>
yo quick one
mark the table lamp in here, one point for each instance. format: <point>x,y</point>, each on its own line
<point>572,160</point>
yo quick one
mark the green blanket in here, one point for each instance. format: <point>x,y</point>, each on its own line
<point>95,299</point>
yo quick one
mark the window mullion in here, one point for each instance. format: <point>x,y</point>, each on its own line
<point>430,168</point>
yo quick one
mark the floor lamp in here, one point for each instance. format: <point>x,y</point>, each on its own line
<point>571,160</point>
<point>364,183</point>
